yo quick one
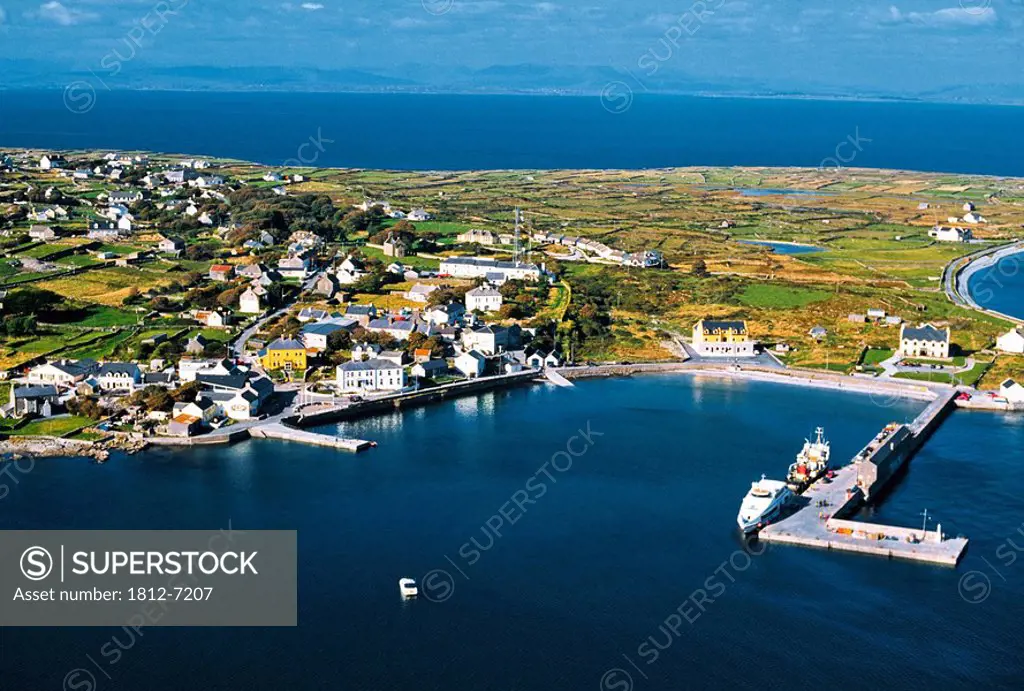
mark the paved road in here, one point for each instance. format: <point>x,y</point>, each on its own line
<point>238,347</point>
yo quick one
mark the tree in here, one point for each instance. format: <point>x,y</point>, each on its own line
<point>339,340</point>
<point>699,268</point>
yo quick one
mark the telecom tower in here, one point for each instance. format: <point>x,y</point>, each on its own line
<point>515,237</point>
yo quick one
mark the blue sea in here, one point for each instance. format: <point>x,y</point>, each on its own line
<point>576,592</point>
<point>1000,287</point>
<point>435,132</point>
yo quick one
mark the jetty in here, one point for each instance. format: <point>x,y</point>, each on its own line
<point>277,430</point>
<point>821,517</point>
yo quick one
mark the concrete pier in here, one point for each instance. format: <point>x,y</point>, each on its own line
<point>819,519</point>
<point>279,431</point>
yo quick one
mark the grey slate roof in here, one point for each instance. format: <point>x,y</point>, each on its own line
<point>35,391</point>
<point>925,333</point>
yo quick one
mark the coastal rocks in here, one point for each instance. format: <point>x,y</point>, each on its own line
<point>42,447</point>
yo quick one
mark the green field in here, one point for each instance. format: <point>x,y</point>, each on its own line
<point>780,297</point>
<point>875,356</point>
<point>51,427</point>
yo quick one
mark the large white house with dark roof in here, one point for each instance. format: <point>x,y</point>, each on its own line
<point>925,341</point>
<point>370,375</point>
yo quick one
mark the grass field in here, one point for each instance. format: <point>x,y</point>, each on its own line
<point>874,356</point>
<point>780,296</point>
<point>52,427</point>
<point>108,286</point>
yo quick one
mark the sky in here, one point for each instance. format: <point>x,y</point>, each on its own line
<point>968,49</point>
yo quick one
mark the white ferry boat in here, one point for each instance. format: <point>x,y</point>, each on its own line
<point>762,504</point>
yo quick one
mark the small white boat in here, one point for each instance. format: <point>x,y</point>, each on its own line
<point>762,504</point>
<point>407,587</point>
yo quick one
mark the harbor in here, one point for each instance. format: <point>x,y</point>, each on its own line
<point>821,517</point>
<point>285,433</point>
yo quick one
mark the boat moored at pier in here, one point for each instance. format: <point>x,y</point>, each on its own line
<point>762,504</point>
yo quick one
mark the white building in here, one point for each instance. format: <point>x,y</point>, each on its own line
<point>370,375</point>
<point>924,341</point>
<point>59,373</point>
<point>1012,391</point>
<point>1012,341</point>
<point>484,298</point>
<point>950,234</point>
<point>249,302</point>
<point>119,376</point>
<point>420,292</point>
<point>470,364</point>
<point>491,269</point>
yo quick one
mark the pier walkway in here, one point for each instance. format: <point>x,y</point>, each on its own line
<point>278,431</point>
<point>819,521</point>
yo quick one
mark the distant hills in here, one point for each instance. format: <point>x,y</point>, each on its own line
<point>416,78</point>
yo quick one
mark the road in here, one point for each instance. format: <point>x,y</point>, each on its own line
<point>238,347</point>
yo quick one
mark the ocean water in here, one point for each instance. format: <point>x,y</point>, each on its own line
<point>569,593</point>
<point>1000,287</point>
<point>434,132</point>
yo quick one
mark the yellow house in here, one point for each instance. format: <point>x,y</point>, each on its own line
<point>284,353</point>
<point>722,338</point>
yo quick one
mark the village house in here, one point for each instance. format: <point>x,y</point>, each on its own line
<point>418,215</point>
<point>52,162</point>
<point>221,272</point>
<point>420,292</point>
<point>350,271</point>
<point>365,351</point>
<point>470,364</point>
<point>42,233</point>
<point>493,270</point>
<point>452,313</point>
<point>950,234</point>
<point>65,373</point>
<point>714,338</point>
<point>363,314</point>
<point>1012,341</point>
<point>490,340</point>
<point>171,245</point>
<point>1012,391</point>
<point>213,318</point>
<point>309,314</point>
<point>189,368</point>
<point>249,302</point>
<point>480,237</point>
<point>118,376</point>
<point>325,285</point>
<point>196,345</point>
<point>483,299</point>
<point>124,197</point>
<point>286,354</point>
<point>34,400</point>
<point>293,266</point>
<point>925,341</point>
<point>540,359</point>
<point>314,336</point>
<point>429,369</point>
<point>394,246</point>
<point>395,356</point>
<point>370,375</point>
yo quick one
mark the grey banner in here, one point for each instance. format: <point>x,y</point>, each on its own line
<point>222,577</point>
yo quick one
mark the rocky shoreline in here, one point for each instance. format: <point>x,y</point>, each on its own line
<point>14,448</point>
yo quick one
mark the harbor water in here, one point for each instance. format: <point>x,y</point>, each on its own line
<point>633,487</point>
